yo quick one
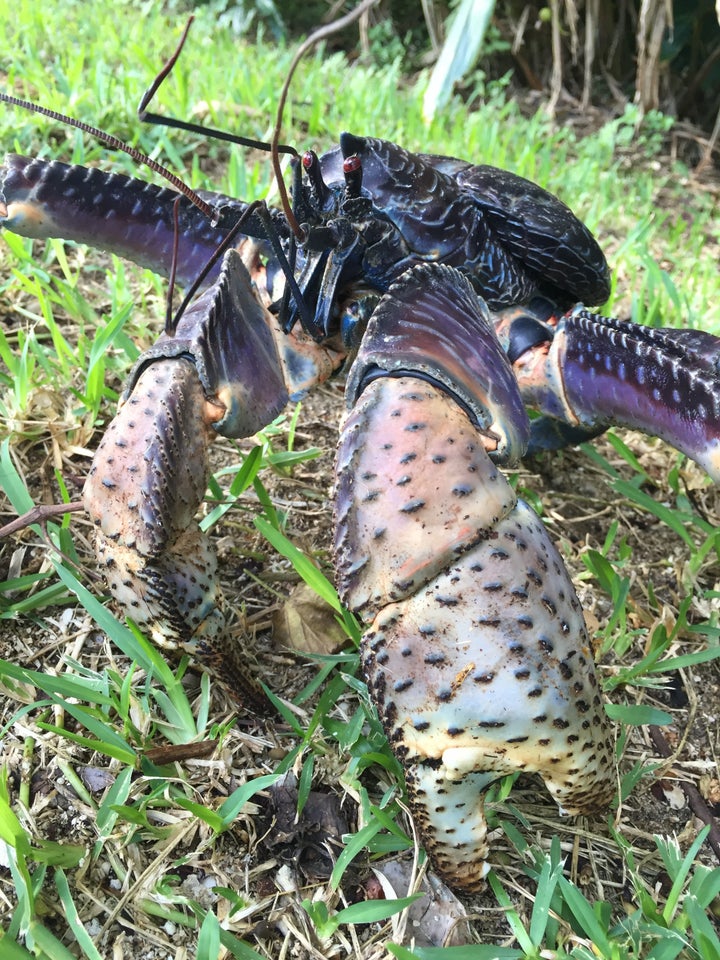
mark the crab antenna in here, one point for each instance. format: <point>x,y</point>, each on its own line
<point>173,267</point>
<point>315,37</point>
<point>258,207</point>
<point>119,145</point>
<point>225,243</point>
<point>148,117</point>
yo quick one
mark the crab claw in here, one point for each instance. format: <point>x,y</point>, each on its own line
<point>476,654</point>
<point>219,373</point>
<point>590,372</point>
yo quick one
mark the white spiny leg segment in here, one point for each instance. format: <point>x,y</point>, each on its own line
<point>451,819</point>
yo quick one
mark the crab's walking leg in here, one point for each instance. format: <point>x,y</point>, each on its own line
<point>476,653</point>
<point>587,372</point>
<point>109,211</point>
<point>118,214</point>
<point>219,373</point>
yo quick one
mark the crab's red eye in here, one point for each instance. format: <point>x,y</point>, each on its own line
<point>308,159</point>
<point>351,164</point>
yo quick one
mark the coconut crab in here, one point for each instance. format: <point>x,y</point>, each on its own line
<point>475,651</point>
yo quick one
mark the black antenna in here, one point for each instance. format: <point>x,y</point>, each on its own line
<point>214,213</point>
<point>163,121</point>
<point>259,208</point>
<point>170,325</point>
<point>315,37</point>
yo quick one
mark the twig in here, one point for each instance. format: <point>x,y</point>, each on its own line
<point>40,515</point>
<point>697,804</point>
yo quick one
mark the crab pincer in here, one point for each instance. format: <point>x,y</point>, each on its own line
<point>476,653</point>
<point>218,373</point>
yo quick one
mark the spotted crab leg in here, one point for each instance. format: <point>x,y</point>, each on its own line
<point>587,372</point>
<point>219,373</point>
<point>475,652</point>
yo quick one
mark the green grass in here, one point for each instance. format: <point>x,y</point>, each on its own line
<point>79,321</point>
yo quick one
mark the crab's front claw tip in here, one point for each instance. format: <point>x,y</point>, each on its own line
<point>429,792</point>
<point>173,595</point>
<point>486,671</point>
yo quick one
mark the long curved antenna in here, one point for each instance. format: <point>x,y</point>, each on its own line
<point>315,37</point>
<point>148,117</point>
<point>169,324</point>
<point>110,141</point>
<point>258,207</point>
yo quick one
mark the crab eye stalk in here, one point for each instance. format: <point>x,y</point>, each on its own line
<point>311,166</point>
<point>352,171</point>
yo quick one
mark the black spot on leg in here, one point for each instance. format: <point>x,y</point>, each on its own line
<point>434,657</point>
<point>487,677</point>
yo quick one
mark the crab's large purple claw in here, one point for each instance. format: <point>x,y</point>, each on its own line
<point>150,471</point>
<point>591,372</point>
<point>476,653</point>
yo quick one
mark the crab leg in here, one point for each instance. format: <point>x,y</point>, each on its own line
<point>475,653</point>
<point>112,212</point>
<point>133,219</point>
<point>219,373</point>
<point>589,372</point>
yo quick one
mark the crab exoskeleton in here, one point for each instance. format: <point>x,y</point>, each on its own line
<point>476,654</point>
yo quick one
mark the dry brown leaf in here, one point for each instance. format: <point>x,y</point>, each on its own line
<point>438,919</point>
<point>710,789</point>
<point>306,623</point>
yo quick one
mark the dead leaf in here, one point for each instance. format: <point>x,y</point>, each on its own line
<point>177,752</point>
<point>710,789</point>
<point>671,792</point>
<point>311,841</point>
<point>438,919</point>
<point>96,779</point>
<point>307,624</point>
